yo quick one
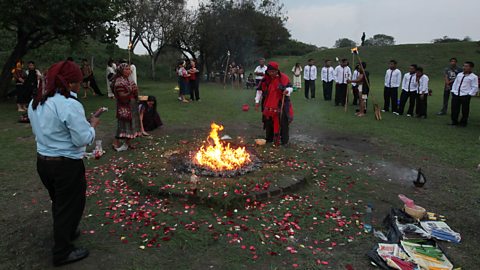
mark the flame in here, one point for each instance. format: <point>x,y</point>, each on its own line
<point>219,156</point>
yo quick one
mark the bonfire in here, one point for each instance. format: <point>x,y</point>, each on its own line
<point>218,155</point>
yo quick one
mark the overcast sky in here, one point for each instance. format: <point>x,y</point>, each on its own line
<point>322,22</point>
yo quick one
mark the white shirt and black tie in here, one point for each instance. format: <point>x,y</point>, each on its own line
<point>327,74</point>
<point>310,73</point>
<point>342,74</point>
<point>465,85</point>
<point>393,78</point>
<point>409,83</point>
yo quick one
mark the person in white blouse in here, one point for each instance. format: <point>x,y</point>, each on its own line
<point>109,74</point>
<point>297,76</point>
<point>393,78</point>
<point>310,75</point>
<point>342,74</point>
<point>260,71</point>
<point>355,76</point>
<point>422,95</point>
<point>133,75</point>
<point>409,91</point>
<point>464,87</point>
<point>327,80</point>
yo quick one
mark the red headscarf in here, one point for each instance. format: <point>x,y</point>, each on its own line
<point>59,75</point>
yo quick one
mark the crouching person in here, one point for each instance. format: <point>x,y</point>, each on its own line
<point>277,111</point>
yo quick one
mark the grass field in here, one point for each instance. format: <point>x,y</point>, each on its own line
<point>353,161</point>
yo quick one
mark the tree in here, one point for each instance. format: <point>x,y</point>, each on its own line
<point>380,40</point>
<point>36,23</point>
<point>344,43</point>
<point>247,29</point>
<point>161,18</point>
<point>446,39</point>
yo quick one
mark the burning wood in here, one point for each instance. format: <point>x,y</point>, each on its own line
<point>220,156</point>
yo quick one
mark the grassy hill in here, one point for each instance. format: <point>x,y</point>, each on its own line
<point>432,57</point>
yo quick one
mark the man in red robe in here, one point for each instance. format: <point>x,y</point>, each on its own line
<point>277,111</point>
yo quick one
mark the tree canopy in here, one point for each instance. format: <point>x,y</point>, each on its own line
<point>344,43</point>
<point>35,23</point>
<point>380,40</point>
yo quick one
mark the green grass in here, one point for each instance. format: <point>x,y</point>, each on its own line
<point>412,141</point>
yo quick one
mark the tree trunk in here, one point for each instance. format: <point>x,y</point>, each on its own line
<point>18,52</point>
<point>152,63</point>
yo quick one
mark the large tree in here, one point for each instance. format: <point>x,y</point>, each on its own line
<point>380,40</point>
<point>344,43</point>
<point>35,23</point>
<point>246,29</point>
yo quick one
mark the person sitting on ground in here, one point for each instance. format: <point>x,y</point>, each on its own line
<point>250,81</point>
<point>149,117</point>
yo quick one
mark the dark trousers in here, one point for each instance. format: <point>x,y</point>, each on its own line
<point>94,85</point>
<point>390,95</point>
<point>463,103</point>
<point>421,109</point>
<point>257,83</point>
<point>355,95</point>
<point>403,101</point>
<point>340,93</point>
<point>66,185</point>
<point>446,97</point>
<point>327,90</point>
<point>284,129</point>
<point>309,89</point>
<point>194,90</point>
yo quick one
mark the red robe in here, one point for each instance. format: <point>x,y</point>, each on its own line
<point>273,88</point>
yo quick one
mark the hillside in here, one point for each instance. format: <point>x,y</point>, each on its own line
<point>433,57</point>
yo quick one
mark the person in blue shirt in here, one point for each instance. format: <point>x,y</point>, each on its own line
<point>62,133</point>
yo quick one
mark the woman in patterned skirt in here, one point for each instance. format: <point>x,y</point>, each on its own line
<point>126,94</point>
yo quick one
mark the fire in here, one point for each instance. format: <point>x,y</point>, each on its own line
<point>218,155</point>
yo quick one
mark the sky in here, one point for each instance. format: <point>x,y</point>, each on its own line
<point>322,22</point>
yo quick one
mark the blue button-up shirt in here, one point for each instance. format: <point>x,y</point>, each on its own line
<point>60,127</point>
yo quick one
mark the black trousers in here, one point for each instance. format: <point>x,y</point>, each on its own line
<point>355,95</point>
<point>446,97</point>
<point>194,90</point>
<point>66,185</point>
<point>309,89</point>
<point>421,109</point>
<point>463,103</point>
<point>390,95</point>
<point>94,85</point>
<point>411,96</point>
<point>284,129</point>
<point>340,93</point>
<point>327,90</point>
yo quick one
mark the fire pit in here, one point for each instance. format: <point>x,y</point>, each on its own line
<point>219,158</point>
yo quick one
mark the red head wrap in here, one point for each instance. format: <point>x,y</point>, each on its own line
<point>61,74</point>
<point>272,66</point>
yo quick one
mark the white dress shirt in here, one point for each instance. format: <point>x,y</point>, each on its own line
<point>133,74</point>
<point>355,76</point>
<point>310,72</point>
<point>327,74</point>
<point>465,85</point>
<point>260,69</point>
<point>409,83</point>
<point>393,78</point>
<point>423,84</point>
<point>342,74</point>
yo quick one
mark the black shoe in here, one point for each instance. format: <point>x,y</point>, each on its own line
<point>76,234</point>
<point>76,255</point>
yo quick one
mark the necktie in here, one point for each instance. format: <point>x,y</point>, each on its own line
<point>327,73</point>
<point>410,82</point>
<point>460,86</point>
<point>343,78</point>
<point>390,83</point>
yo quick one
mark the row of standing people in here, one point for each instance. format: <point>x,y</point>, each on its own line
<point>414,86</point>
